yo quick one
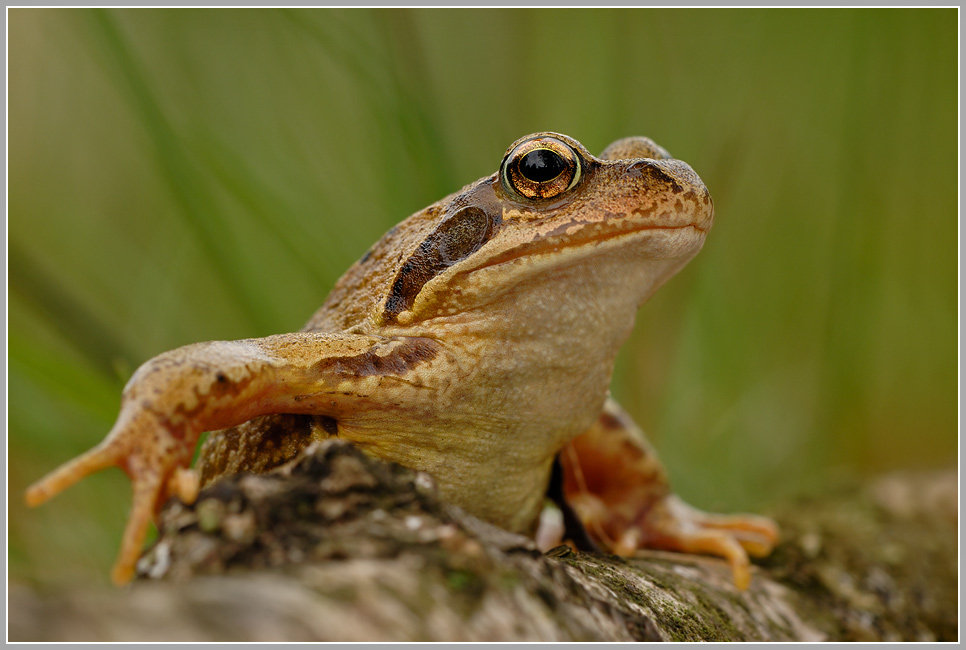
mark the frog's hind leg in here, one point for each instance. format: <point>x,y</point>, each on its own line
<point>620,491</point>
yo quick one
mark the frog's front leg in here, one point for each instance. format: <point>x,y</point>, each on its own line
<point>175,397</point>
<point>620,491</point>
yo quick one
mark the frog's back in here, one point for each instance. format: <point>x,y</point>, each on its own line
<point>359,291</point>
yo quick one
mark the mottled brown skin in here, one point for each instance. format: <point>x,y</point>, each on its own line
<point>474,341</point>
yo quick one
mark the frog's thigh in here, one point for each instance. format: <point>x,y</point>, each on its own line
<point>619,489</point>
<point>257,446</point>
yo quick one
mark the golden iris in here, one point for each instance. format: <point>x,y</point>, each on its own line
<point>541,168</point>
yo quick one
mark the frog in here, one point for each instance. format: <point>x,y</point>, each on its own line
<point>475,342</point>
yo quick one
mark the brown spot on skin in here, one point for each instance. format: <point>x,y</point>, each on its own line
<point>220,387</point>
<point>400,360</point>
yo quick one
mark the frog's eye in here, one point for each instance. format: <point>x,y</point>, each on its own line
<point>541,168</point>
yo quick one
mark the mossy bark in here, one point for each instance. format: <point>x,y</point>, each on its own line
<point>341,547</point>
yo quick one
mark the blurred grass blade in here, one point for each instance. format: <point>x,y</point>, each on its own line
<point>79,325</point>
<point>187,185</point>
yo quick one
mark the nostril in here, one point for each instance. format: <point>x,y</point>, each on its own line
<point>654,174</point>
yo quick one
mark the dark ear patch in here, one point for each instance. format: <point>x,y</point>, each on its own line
<point>454,240</point>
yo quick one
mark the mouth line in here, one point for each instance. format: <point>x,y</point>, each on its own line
<point>524,250</point>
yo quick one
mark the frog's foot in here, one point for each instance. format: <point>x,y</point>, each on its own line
<point>156,462</point>
<point>673,525</point>
<point>620,492</point>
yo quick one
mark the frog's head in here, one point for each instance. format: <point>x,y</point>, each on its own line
<point>556,224</point>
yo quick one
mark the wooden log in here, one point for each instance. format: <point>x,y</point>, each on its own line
<point>342,547</point>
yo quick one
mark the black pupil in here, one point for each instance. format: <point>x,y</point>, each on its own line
<point>541,165</point>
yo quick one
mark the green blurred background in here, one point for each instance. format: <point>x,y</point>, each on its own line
<point>185,175</point>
